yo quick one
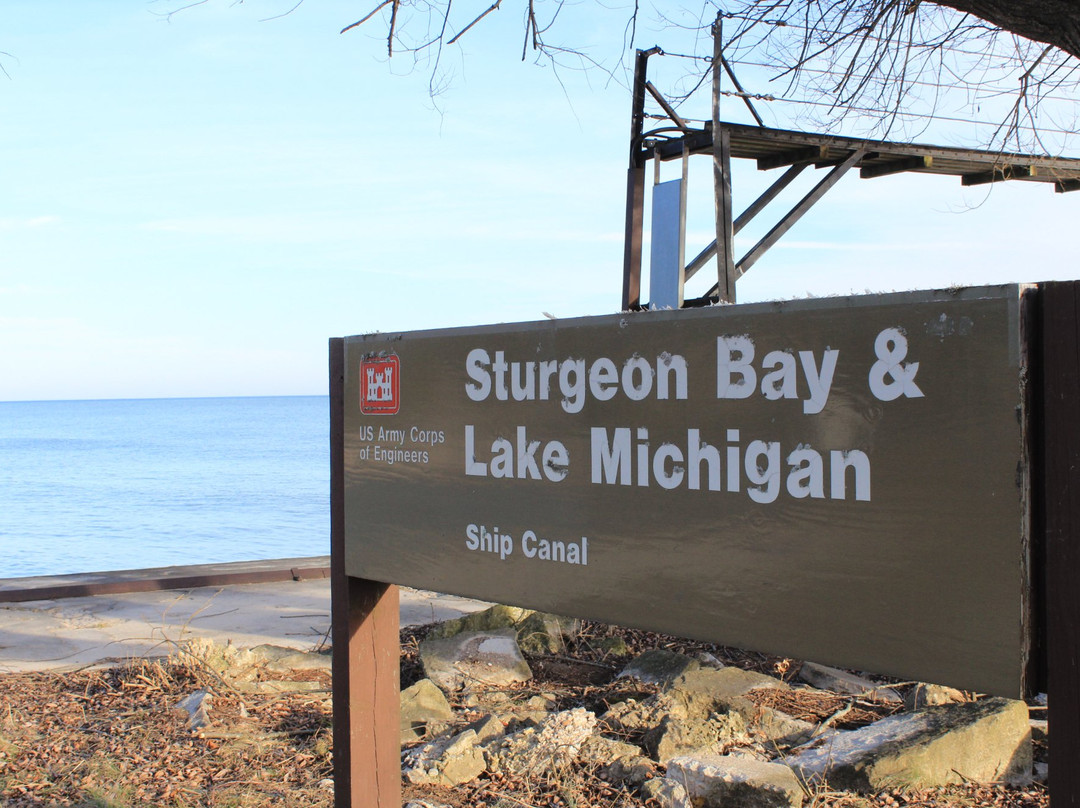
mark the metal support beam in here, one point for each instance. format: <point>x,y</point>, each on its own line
<point>809,154</point>
<point>998,174</point>
<point>664,105</point>
<point>795,214</point>
<point>635,189</point>
<point>896,167</point>
<point>725,236</point>
<point>747,216</point>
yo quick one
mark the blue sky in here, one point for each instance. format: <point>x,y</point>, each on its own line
<point>192,205</point>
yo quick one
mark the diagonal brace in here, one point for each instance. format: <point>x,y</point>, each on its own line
<point>796,213</point>
<point>746,216</point>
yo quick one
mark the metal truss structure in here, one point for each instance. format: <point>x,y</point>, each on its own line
<point>795,152</point>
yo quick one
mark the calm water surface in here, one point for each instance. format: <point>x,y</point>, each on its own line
<point>103,485</point>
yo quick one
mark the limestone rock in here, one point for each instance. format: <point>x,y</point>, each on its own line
<point>728,687</point>
<point>620,761</point>
<point>925,695</point>
<point>840,681</point>
<point>715,733</point>
<point>488,658</point>
<point>487,729</point>
<point>666,793</point>
<point>633,716</point>
<point>446,761</point>
<point>723,684</point>
<point>251,685</point>
<point>493,619</point>
<point>513,713</point>
<point>542,633</point>
<point>424,708</point>
<point>982,741</point>
<point>544,749</point>
<point>658,666</point>
<point>282,660</point>
<point>197,706</point>
<point>716,781</point>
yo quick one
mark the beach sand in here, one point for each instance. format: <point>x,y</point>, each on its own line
<point>71,633</point>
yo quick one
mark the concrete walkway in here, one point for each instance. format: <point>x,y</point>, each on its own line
<point>69,633</point>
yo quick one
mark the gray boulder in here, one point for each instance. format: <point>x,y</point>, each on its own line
<point>490,658</point>
<point>424,710</point>
<point>716,781</point>
<point>981,741</point>
<point>658,666</point>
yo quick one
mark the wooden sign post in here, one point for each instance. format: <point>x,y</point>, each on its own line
<point>540,465</point>
<point>1057,432</point>
<point>364,627</point>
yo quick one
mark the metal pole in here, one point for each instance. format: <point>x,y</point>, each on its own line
<point>635,188</point>
<point>725,261</point>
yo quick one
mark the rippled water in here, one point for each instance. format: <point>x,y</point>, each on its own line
<point>104,485</point>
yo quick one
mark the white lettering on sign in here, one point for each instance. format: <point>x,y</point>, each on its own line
<point>523,459</point>
<point>737,378</point>
<point>764,470</point>
<point>533,547</point>
<point>890,377</point>
<point>638,378</point>
<point>623,456</point>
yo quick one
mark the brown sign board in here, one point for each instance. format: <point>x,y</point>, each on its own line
<point>842,480</point>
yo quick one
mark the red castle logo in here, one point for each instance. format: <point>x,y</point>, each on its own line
<point>380,385</point>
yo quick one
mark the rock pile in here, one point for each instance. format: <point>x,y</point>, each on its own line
<point>704,735</point>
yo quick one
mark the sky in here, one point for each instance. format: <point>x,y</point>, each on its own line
<point>192,204</point>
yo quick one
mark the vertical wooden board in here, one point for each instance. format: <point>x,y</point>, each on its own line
<point>339,592</point>
<point>375,731</point>
<point>1061,493</point>
<point>366,648</point>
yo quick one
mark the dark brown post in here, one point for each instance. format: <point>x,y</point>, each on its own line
<point>1061,495</point>
<point>635,189</point>
<point>364,624</point>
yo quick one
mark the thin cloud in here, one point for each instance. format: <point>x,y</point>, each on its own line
<point>27,223</point>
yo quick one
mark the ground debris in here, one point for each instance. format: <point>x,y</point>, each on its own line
<point>112,737</point>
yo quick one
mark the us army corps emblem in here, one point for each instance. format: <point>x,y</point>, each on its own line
<point>380,385</point>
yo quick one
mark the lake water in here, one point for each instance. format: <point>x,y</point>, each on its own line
<point>104,485</point>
